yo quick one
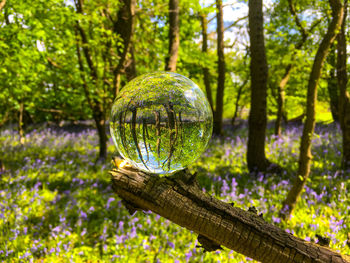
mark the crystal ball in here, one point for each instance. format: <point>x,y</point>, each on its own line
<point>161,122</point>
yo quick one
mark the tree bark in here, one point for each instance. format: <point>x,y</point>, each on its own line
<point>344,95</point>
<point>174,36</point>
<point>205,69</point>
<point>124,27</point>
<point>258,71</point>
<point>332,85</point>
<point>309,126</point>
<point>219,108</point>
<point>179,199</point>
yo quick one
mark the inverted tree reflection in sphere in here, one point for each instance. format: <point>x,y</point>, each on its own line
<point>161,122</point>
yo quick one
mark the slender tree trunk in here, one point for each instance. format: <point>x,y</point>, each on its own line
<point>238,97</point>
<point>174,36</point>
<point>281,114</point>
<point>332,85</point>
<point>2,167</point>
<point>98,110</point>
<point>281,99</point>
<point>218,113</point>
<point>258,71</point>
<point>20,122</point>
<point>180,199</point>
<point>309,126</point>
<point>344,95</point>
<point>205,69</point>
<point>5,118</point>
<point>124,27</point>
<point>100,122</point>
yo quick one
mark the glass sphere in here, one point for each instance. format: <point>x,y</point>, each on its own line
<point>161,122</point>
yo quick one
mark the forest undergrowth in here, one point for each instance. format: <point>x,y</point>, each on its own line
<point>57,205</point>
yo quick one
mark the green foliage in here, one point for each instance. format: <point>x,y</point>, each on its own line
<point>39,63</point>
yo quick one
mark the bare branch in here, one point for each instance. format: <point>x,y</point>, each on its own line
<point>236,22</point>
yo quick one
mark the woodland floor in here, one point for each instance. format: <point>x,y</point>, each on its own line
<point>57,205</point>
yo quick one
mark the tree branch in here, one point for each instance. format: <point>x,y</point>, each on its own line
<point>2,4</point>
<point>235,23</point>
<point>53,63</point>
<point>179,199</point>
<point>296,19</point>
<point>85,45</point>
<point>81,71</point>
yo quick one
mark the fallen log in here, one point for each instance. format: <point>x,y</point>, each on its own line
<point>180,199</point>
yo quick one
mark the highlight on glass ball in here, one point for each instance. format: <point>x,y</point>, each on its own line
<point>161,122</point>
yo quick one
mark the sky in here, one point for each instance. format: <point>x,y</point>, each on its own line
<point>232,11</point>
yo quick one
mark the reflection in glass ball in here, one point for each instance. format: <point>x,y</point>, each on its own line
<point>161,122</point>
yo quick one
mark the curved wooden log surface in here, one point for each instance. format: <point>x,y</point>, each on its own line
<point>180,199</point>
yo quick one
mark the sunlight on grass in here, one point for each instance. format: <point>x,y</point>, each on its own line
<point>56,205</point>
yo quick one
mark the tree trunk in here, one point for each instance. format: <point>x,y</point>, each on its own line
<point>206,75</point>
<point>281,87</point>
<point>180,199</point>
<point>258,71</point>
<point>174,36</point>
<point>238,97</point>
<point>130,67</point>
<point>2,167</point>
<point>309,126</point>
<point>332,85</point>
<point>124,27</point>
<point>281,99</point>
<point>20,122</point>
<point>98,111</point>
<point>100,121</point>
<point>344,95</point>
<point>219,108</point>
<point>5,118</point>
